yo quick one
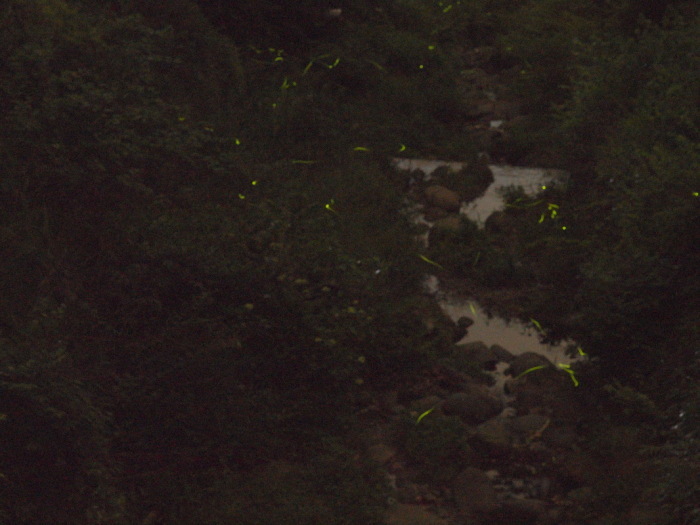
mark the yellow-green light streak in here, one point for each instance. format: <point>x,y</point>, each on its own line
<point>420,418</point>
<point>539,367</point>
<point>430,262</point>
<point>567,369</point>
<point>329,206</point>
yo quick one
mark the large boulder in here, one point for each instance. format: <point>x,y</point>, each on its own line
<point>450,223</point>
<point>502,354</point>
<point>528,361</point>
<point>529,427</point>
<point>473,406</point>
<point>461,328</point>
<point>432,213</point>
<point>499,434</point>
<point>479,354</point>
<point>442,197</point>
<point>434,319</point>
<point>500,222</point>
<point>495,435</point>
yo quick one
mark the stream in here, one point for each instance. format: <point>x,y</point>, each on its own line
<point>512,335</point>
<point>521,425</point>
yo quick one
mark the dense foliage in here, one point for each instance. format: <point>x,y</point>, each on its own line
<point>193,277</point>
<point>616,266</point>
<point>204,267</point>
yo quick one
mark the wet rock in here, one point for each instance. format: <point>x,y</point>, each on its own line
<point>465,321</point>
<point>546,389</point>
<point>461,328</point>
<point>473,406</point>
<point>499,222</point>
<point>451,223</point>
<point>433,214</point>
<point>473,493</point>
<point>434,319</point>
<point>480,354</point>
<point>528,361</point>
<point>442,197</point>
<point>530,426</point>
<point>402,514</point>
<point>502,354</point>
<point>495,434</point>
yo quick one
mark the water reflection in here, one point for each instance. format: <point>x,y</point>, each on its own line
<point>531,180</point>
<point>512,335</point>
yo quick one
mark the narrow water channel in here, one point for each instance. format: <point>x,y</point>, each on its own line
<point>512,335</point>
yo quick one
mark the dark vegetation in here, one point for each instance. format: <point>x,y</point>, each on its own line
<point>204,268</point>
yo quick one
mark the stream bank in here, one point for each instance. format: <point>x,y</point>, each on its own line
<point>500,430</point>
<point>592,452</point>
<point>495,418</point>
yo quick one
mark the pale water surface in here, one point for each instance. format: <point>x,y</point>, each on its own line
<point>514,335</point>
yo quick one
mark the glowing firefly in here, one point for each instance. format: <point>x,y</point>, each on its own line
<point>430,262</point>
<point>420,418</point>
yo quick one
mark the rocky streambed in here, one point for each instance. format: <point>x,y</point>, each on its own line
<point>500,431</point>
<point>490,434</point>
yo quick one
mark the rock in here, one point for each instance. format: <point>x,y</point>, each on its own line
<point>473,493</point>
<point>502,354</point>
<point>465,321</point>
<point>434,319</point>
<point>529,427</point>
<point>451,223</point>
<point>433,214</point>
<point>495,434</point>
<point>499,222</point>
<point>479,354</point>
<point>473,406</point>
<point>528,361</point>
<point>426,403</point>
<point>442,197</point>
<point>461,328</point>
<point>412,515</point>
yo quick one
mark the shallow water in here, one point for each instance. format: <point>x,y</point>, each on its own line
<point>532,180</point>
<point>514,335</point>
